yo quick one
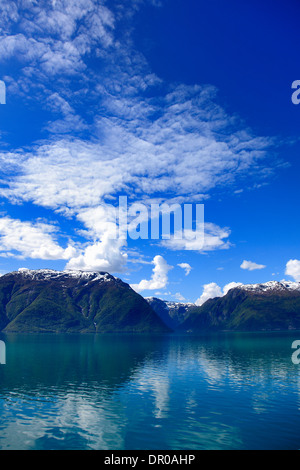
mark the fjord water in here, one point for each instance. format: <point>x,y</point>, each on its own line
<point>230,391</point>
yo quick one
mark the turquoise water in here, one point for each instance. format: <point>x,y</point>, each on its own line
<point>234,391</point>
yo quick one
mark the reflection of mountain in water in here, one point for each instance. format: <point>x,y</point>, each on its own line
<point>45,361</point>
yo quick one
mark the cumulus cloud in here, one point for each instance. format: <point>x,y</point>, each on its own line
<point>107,255</point>
<point>231,285</point>
<point>213,290</point>
<point>38,241</point>
<point>187,268</point>
<point>293,269</point>
<point>210,291</point>
<point>159,278</point>
<point>250,266</point>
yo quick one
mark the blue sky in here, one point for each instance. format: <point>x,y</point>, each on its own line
<point>171,100</point>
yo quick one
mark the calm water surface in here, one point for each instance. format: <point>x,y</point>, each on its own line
<point>233,391</point>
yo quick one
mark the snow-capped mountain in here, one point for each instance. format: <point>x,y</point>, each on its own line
<point>255,307</point>
<point>49,274</point>
<point>73,302</point>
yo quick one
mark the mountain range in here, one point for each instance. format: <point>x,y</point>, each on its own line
<point>47,301</point>
<point>258,307</point>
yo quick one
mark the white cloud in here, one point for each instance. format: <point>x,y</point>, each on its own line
<point>215,238</point>
<point>159,279</point>
<point>99,221</point>
<point>137,156</point>
<point>231,285</point>
<point>180,143</point>
<point>187,268</point>
<point>293,269</point>
<point>213,290</point>
<point>107,252</point>
<point>250,266</point>
<point>31,241</point>
<point>55,36</point>
<point>68,121</point>
<point>179,297</point>
<point>37,241</point>
<point>107,255</point>
<point>210,291</point>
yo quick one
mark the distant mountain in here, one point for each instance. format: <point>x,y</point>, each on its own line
<point>172,313</point>
<point>73,301</point>
<point>258,307</point>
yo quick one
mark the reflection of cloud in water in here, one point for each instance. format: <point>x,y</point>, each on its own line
<point>156,383</point>
<point>171,394</point>
<point>71,418</point>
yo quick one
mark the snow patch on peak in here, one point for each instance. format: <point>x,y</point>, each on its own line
<point>88,275</point>
<point>272,286</point>
<point>49,274</point>
<point>171,304</point>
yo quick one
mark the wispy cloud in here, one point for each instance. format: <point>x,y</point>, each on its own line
<point>54,37</point>
<point>179,297</point>
<point>215,238</point>
<point>115,127</point>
